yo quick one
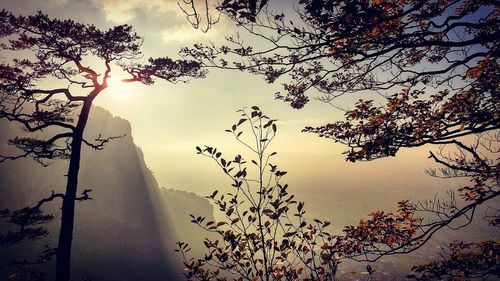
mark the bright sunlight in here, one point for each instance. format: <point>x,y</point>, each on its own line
<point>117,88</point>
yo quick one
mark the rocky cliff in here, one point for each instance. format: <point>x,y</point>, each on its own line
<point>127,232</point>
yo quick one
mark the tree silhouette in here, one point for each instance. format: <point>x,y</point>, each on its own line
<point>434,67</point>
<point>340,47</point>
<point>264,234</point>
<point>463,260</point>
<point>37,50</point>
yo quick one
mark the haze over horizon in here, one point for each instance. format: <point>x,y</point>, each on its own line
<point>197,113</point>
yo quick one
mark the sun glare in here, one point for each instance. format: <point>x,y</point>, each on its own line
<point>117,88</point>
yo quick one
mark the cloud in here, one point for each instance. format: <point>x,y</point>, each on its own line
<point>186,33</point>
<point>124,11</point>
<point>58,2</point>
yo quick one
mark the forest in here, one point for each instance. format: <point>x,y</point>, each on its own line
<point>249,140</point>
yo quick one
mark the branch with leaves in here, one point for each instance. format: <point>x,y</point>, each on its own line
<point>265,234</point>
<point>40,49</point>
<point>28,221</point>
<point>340,47</point>
<point>463,260</point>
<point>444,57</point>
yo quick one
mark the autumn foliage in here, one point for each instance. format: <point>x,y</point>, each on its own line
<point>265,234</point>
<point>432,69</point>
<point>463,260</point>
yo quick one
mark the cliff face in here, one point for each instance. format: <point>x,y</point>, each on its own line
<point>128,231</point>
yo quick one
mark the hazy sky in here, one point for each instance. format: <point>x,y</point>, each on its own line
<point>168,121</point>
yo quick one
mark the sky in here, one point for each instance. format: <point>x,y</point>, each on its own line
<point>169,120</point>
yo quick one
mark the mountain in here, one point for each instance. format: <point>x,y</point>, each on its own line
<point>127,231</point>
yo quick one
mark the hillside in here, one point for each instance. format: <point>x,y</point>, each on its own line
<point>128,231</point>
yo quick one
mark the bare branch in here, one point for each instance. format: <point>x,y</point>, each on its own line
<point>101,142</point>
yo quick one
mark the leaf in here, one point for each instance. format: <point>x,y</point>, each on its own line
<point>300,206</point>
<point>213,194</point>
<point>241,121</point>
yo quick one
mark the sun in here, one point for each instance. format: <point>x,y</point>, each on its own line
<point>117,88</point>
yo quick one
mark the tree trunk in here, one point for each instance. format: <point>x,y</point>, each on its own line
<point>63,253</point>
